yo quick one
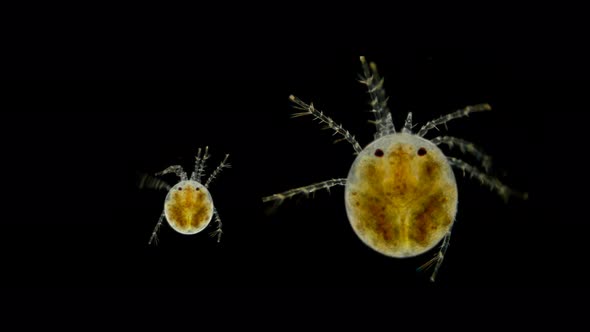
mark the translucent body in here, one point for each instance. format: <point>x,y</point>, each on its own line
<point>188,207</point>
<point>401,195</point>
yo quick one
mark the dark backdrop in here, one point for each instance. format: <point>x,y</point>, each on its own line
<point>73,215</point>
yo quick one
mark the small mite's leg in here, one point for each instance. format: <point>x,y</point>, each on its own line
<point>408,124</point>
<point>465,147</point>
<point>154,237</point>
<point>150,182</point>
<point>318,115</point>
<point>176,169</point>
<point>279,198</point>
<point>438,257</point>
<point>370,78</point>
<point>222,165</point>
<point>217,232</point>
<point>455,115</point>
<point>487,180</point>
<point>200,165</point>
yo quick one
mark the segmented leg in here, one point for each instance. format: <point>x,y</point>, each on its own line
<point>374,83</point>
<point>150,182</point>
<point>221,166</point>
<point>408,125</point>
<point>438,257</point>
<point>200,162</point>
<point>305,190</point>
<point>310,110</point>
<point>154,237</point>
<point>465,147</point>
<point>455,115</point>
<point>217,232</point>
<point>491,182</point>
<point>176,169</point>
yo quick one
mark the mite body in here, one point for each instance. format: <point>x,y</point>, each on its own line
<point>188,207</point>
<point>400,193</point>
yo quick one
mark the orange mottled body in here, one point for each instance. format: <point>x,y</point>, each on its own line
<point>401,195</point>
<point>188,207</point>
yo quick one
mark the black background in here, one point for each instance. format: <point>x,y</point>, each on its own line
<point>74,217</point>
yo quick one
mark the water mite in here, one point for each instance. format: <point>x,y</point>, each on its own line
<point>400,193</point>
<point>188,207</point>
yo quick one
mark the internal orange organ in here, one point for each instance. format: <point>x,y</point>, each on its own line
<point>188,210</point>
<point>402,204</point>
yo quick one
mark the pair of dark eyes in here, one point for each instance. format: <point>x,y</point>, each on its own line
<point>180,188</point>
<point>379,152</point>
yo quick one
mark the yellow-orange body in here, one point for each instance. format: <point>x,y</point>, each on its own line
<point>188,207</point>
<point>401,195</point>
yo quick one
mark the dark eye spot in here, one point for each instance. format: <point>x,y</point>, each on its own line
<point>421,151</point>
<point>198,188</point>
<point>379,153</point>
<point>179,188</point>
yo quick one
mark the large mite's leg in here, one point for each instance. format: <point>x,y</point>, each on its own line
<point>318,115</point>
<point>485,179</point>
<point>374,83</point>
<point>217,232</point>
<point>222,165</point>
<point>455,115</point>
<point>200,162</point>
<point>438,257</point>
<point>304,190</point>
<point>465,147</point>
<point>154,237</point>
<point>176,169</point>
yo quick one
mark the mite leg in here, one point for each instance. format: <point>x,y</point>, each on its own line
<point>150,182</point>
<point>279,198</point>
<point>217,232</point>
<point>408,125</point>
<point>370,77</point>
<point>489,181</point>
<point>465,147</point>
<point>222,165</point>
<point>330,124</point>
<point>455,115</point>
<point>154,237</point>
<point>176,169</point>
<point>200,163</point>
<point>438,257</point>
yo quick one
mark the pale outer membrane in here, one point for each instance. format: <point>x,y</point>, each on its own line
<point>387,143</point>
<point>209,202</point>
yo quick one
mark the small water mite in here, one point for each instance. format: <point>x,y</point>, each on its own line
<point>188,207</point>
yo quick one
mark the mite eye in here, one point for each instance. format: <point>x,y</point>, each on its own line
<point>379,153</point>
<point>421,151</point>
<point>179,188</point>
<point>198,189</point>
